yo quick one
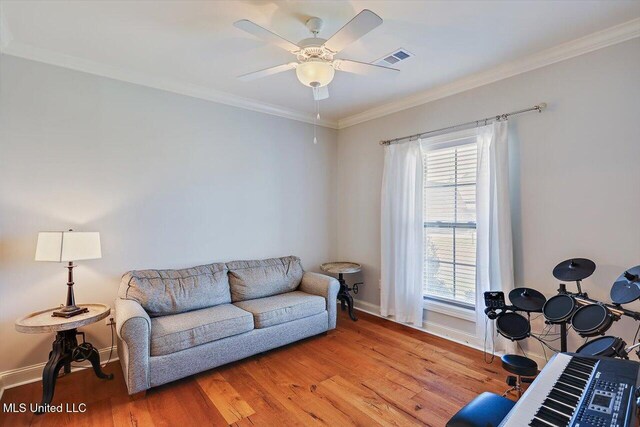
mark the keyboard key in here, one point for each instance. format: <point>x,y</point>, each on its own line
<point>552,417</point>
<point>572,381</point>
<point>558,407</point>
<point>537,423</point>
<point>564,398</point>
<point>569,389</point>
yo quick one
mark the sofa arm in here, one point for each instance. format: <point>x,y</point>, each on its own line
<point>325,286</point>
<point>133,327</point>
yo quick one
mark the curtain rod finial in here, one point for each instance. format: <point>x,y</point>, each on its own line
<point>541,106</point>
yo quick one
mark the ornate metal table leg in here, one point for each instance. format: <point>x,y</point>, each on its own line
<point>94,358</point>
<point>66,350</point>
<point>350,304</point>
<point>345,297</point>
<point>58,357</point>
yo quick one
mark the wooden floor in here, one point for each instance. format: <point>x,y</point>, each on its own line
<point>370,372</point>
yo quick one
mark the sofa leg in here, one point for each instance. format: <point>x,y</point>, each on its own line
<point>138,396</point>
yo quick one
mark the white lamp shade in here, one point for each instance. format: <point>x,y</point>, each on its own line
<point>315,73</point>
<point>63,246</point>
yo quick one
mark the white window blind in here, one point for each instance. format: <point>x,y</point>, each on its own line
<point>450,222</point>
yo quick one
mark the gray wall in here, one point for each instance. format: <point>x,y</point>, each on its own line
<point>575,172</point>
<point>168,180</point>
<point>172,181</point>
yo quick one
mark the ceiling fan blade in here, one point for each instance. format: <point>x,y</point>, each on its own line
<point>360,25</point>
<point>267,71</point>
<point>320,93</point>
<point>356,67</point>
<point>264,34</point>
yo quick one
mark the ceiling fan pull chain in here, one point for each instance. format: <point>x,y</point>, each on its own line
<point>315,123</point>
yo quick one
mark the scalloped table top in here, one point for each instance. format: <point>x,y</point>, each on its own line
<point>341,267</point>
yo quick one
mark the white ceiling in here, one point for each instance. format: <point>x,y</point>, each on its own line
<point>192,46</point>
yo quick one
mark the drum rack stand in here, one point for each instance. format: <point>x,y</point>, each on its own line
<point>563,325</point>
<point>615,309</point>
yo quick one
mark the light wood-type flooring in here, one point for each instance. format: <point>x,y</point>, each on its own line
<point>368,373</point>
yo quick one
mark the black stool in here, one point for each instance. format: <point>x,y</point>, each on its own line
<point>520,366</point>
<point>486,410</point>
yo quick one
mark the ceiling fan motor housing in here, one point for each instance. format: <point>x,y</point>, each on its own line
<point>313,48</point>
<point>314,25</point>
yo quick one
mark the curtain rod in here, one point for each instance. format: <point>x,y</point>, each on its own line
<point>477,123</point>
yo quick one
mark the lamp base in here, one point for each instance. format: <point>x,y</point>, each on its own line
<point>69,311</point>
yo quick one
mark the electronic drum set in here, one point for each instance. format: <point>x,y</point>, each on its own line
<point>588,317</point>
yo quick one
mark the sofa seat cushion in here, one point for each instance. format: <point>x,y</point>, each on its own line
<point>185,330</point>
<point>162,292</point>
<point>277,309</point>
<point>264,278</point>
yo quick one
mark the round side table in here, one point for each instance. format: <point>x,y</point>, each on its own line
<point>341,268</point>
<point>65,347</point>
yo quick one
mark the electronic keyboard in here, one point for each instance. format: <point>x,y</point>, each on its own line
<point>579,391</point>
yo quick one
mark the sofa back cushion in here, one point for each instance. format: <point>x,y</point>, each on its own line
<point>163,292</point>
<point>263,278</point>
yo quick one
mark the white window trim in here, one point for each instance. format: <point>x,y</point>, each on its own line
<point>448,139</point>
<point>449,309</point>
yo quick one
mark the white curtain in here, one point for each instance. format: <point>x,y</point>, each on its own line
<point>402,233</point>
<point>494,249</point>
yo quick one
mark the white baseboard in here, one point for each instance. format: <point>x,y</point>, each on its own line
<point>441,331</point>
<point>33,373</point>
<point>433,329</point>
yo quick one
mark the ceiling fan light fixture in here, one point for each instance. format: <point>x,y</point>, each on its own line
<point>315,73</point>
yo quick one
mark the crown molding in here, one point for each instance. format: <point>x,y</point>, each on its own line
<point>33,53</point>
<point>601,39</point>
<point>608,37</point>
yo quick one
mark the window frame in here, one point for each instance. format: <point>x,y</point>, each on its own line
<point>432,303</point>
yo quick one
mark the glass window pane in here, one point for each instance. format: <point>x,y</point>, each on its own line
<point>466,246</point>
<point>466,203</point>
<point>440,204</point>
<point>450,217</point>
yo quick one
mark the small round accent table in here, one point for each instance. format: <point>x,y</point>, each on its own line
<point>65,347</point>
<point>344,296</point>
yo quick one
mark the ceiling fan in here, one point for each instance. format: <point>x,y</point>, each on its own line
<point>316,66</point>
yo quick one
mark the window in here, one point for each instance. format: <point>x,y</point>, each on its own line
<point>450,220</point>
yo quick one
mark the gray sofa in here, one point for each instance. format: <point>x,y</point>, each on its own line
<point>175,323</point>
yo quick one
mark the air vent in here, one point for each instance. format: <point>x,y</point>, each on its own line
<point>394,57</point>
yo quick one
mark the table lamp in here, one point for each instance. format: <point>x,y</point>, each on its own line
<point>68,246</point>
